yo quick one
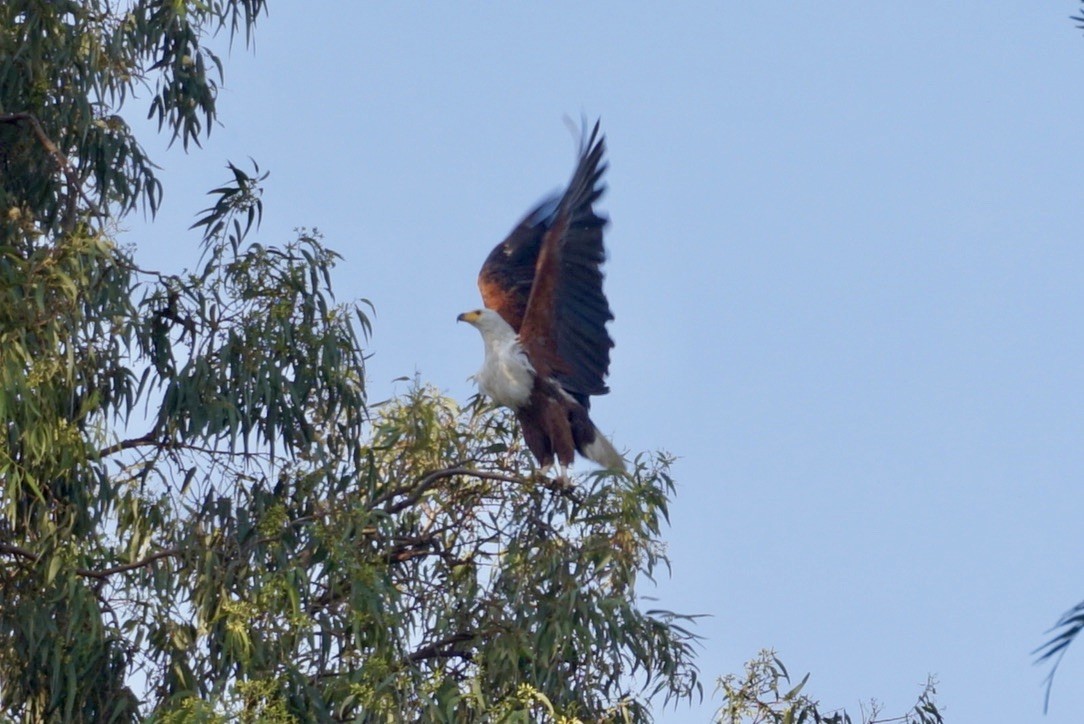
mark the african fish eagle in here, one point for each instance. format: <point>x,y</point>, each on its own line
<point>547,350</point>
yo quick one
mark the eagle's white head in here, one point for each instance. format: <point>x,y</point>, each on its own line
<point>489,323</point>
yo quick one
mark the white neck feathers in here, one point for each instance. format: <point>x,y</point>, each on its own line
<point>507,375</point>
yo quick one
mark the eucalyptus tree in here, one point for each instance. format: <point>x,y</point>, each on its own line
<point>201,518</point>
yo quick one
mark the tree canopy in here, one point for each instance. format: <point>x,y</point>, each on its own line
<point>202,519</point>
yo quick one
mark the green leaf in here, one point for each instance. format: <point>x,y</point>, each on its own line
<point>54,568</point>
<point>789,696</point>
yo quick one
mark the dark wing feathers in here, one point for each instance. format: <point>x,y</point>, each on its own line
<point>562,317</point>
<point>582,308</point>
<point>539,333</point>
<point>508,272</point>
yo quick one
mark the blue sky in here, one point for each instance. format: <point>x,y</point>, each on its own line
<point>846,264</point>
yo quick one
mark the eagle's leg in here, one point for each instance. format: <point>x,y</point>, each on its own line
<point>564,476</point>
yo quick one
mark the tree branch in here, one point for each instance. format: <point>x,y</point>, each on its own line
<point>75,188</point>
<point>443,649</point>
<point>418,489</point>
<point>17,551</point>
<point>88,573</point>
<point>561,486</point>
<point>149,440</point>
<point>142,563</point>
<point>140,441</point>
<point>39,132</point>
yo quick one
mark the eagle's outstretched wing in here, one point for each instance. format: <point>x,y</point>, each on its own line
<point>545,280</point>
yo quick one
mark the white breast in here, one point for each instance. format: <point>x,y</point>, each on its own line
<point>506,375</point>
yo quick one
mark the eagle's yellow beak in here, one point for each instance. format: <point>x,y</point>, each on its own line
<point>469,317</point>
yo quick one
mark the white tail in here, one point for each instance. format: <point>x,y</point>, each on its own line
<point>604,453</point>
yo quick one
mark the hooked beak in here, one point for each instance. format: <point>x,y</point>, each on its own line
<point>467,317</point>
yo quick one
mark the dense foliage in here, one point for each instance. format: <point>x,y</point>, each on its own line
<point>200,518</point>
